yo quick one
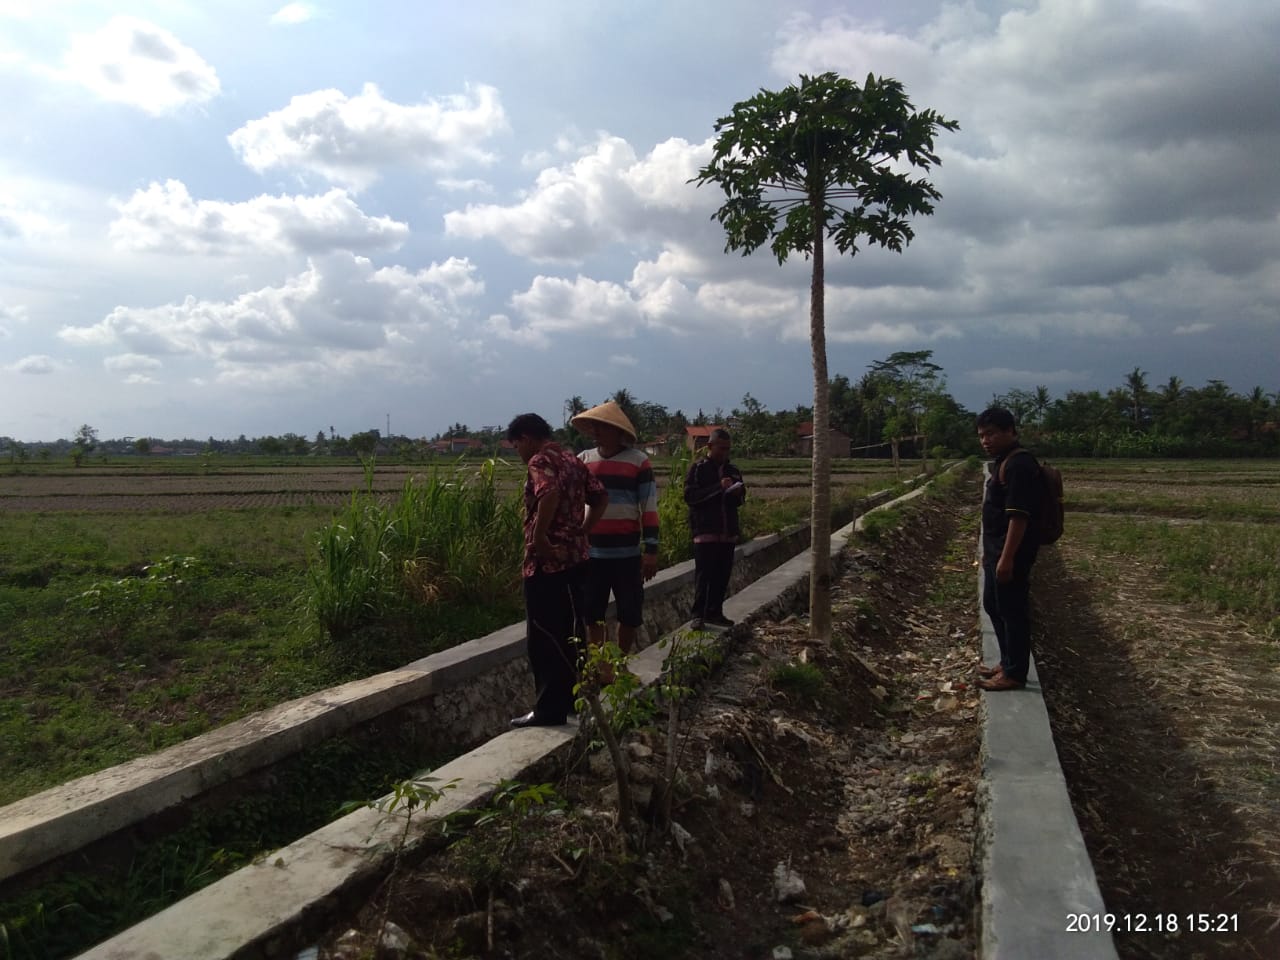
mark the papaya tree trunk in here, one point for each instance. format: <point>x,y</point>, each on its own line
<point>820,501</point>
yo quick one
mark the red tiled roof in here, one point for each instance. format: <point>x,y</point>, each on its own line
<point>806,429</point>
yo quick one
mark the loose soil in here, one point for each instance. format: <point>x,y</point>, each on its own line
<point>827,801</point>
<point>1165,721</point>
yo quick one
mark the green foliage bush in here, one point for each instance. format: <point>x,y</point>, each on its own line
<point>447,540</point>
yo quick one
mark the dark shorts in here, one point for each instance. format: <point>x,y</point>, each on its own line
<point>624,578</point>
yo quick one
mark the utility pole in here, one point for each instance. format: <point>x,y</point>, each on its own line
<point>388,426</point>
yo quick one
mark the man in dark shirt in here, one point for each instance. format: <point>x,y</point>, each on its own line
<point>713,489</point>
<point>1008,547</point>
<point>561,502</point>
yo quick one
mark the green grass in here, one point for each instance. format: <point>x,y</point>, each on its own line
<point>957,578</point>
<point>448,542</point>
<point>1223,567</point>
<point>802,679</point>
<point>105,656</point>
<point>1223,561</point>
<point>878,523</point>
<point>81,690</point>
<point>1209,504</point>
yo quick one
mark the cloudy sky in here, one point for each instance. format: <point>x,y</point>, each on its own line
<point>252,218</point>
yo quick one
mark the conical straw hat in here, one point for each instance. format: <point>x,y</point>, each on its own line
<point>608,412</point>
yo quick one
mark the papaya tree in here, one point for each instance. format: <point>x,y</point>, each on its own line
<point>823,160</point>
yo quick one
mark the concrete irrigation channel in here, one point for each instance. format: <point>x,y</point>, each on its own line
<point>272,906</point>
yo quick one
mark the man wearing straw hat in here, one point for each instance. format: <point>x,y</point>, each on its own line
<point>624,541</point>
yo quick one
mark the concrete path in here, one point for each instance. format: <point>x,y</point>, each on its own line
<point>1038,885</point>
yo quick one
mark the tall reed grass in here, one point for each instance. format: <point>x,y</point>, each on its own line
<point>449,539</point>
<point>674,543</point>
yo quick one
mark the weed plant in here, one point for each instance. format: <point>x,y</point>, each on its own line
<point>878,523</point>
<point>447,541</point>
<point>802,679</point>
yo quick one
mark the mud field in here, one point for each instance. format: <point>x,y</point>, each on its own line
<point>98,490</point>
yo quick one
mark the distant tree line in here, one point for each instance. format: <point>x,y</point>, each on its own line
<point>1134,419</point>
<point>898,407</point>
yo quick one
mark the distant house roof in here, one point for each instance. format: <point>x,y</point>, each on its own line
<point>700,431</point>
<point>806,429</point>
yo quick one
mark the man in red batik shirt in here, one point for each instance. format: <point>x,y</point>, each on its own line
<point>561,503</point>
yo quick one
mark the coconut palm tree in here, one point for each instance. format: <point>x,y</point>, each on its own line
<point>1136,383</point>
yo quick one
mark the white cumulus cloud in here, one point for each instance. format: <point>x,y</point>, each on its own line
<point>351,140</point>
<point>554,305</point>
<point>164,217</point>
<point>130,363</point>
<point>293,13</point>
<point>137,63</point>
<point>340,316</point>
<point>608,195</point>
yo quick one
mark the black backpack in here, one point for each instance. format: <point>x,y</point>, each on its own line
<point>1050,513</point>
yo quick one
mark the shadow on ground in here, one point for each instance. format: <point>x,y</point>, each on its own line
<point>1163,839</point>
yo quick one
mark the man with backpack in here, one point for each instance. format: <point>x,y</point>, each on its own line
<point>1013,514</point>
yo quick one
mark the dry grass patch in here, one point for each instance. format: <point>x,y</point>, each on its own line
<point>1164,713</point>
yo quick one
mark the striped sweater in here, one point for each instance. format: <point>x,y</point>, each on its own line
<point>632,514</point>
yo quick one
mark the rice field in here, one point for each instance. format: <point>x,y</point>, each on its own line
<point>1210,530</point>
<point>175,486</point>
<point>144,604</point>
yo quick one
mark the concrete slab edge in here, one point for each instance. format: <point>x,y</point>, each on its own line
<point>243,914</point>
<point>1035,870</point>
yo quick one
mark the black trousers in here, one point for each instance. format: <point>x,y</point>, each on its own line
<point>554,620</point>
<point>712,565</point>
<point>1009,607</point>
